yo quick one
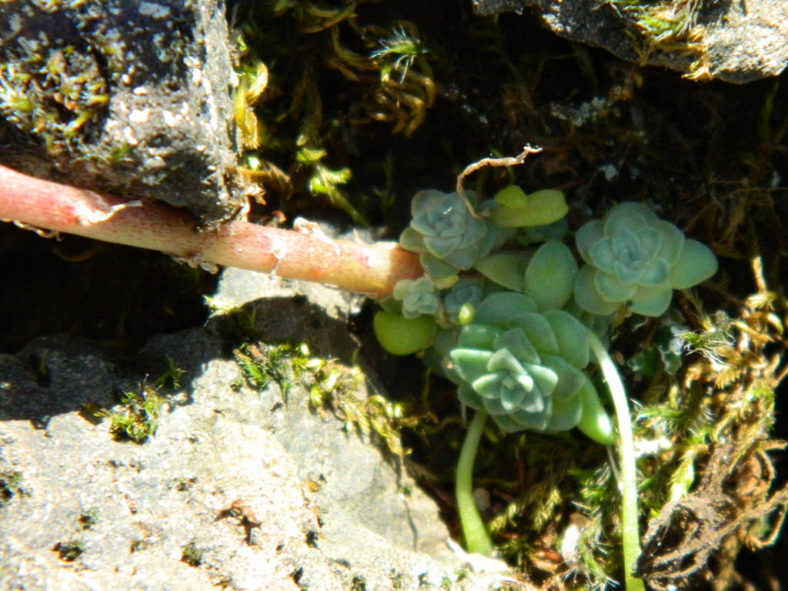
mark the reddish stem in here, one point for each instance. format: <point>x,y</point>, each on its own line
<point>372,269</point>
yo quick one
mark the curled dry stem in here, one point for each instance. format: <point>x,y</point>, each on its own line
<point>479,164</point>
<point>39,204</point>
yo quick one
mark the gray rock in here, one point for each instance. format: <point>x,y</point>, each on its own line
<point>127,97</point>
<point>326,508</point>
<point>733,41</point>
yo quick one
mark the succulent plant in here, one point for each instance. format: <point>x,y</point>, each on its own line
<point>418,296</point>
<point>524,368</point>
<point>447,234</point>
<point>635,259</point>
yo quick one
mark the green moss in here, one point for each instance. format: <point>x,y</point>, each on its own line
<point>171,378</point>
<point>138,419</point>
<point>70,551</point>
<point>285,103</point>
<point>358,583</point>
<point>191,554</point>
<point>331,386</point>
<point>668,26</point>
<point>88,519</point>
<point>52,93</point>
<point>10,486</point>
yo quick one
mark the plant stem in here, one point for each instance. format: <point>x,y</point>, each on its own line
<point>629,489</point>
<point>371,269</point>
<point>473,529</point>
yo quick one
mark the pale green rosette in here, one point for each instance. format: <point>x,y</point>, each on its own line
<point>522,367</point>
<point>635,259</point>
<point>447,234</point>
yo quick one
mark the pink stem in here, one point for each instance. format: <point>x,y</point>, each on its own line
<point>371,269</point>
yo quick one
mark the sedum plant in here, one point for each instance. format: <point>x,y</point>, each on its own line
<point>635,259</point>
<point>505,312</point>
<point>447,234</point>
<point>524,368</point>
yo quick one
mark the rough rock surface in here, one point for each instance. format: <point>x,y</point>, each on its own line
<point>126,97</point>
<point>81,510</point>
<point>732,41</point>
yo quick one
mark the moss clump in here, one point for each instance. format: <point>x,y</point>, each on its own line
<point>330,384</point>
<point>191,554</point>
<point>311,76</point>
<point>88,519</point>
<point>70,551</point>
<point>138,419</point>
<point>10,486</point>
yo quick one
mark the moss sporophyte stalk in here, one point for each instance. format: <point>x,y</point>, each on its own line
<point>516,327</point>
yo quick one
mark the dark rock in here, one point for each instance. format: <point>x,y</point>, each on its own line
<point>733,41</point>
<point>125,97</point>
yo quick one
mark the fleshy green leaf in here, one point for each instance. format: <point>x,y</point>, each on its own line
<point>611,289</point>
<point>696,264</point>
<point>504,360</point>
<point>545,379</point>
<point>471,363</point>
<point>565,415</point>
<point>538,331</point>
<point>587,296</point>
<point>550,275</point>
<point>540,208</point>
<point>478,336</point>
<point>522,420</point>
<point>514,340</point>
<point>627,216</point>
<point>411,240</point>
<point>403,336</point>
<point>656,273</point>
<point>601,255</point>
<point>511,196</point>
<point>498,308</point>
<point>588,235</point>
<point>424,201</point>
<point>436,268</point>
<point>651,240</point>
<point>651,301</point>
<point>627,248</point>
<point>469,397</point>
<point>672,241</point>
<point>595,422</point>
<point>570,379</point>
<point>504,268</point>
<point>570,335</point>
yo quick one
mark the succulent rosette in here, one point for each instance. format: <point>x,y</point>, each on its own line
<point>635,259</point>
<point>524,368</point>
<point>418,296</point>
<point>447,234</point>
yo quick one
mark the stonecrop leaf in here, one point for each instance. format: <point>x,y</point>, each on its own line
<point>403,336</point>
<point>550,275</point>
<point>517,210</point>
